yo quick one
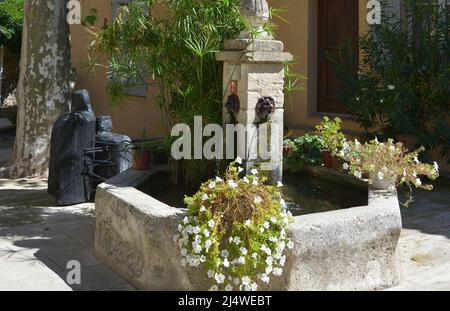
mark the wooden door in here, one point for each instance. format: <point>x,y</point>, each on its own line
<point>338,20</point>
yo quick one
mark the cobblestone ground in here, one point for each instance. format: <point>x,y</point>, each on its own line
<point>38,239</point>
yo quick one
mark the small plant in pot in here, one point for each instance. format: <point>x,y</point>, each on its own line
<point>236,231</point>
<point>304,150</point>
<point>332,137</point>
<point>141,154</point>
<point>388,165</point>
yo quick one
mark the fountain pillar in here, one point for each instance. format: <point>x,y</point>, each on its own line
<point>253,82</point>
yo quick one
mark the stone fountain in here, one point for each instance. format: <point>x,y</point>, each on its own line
<point>348,249</point>
<point>253,76</point>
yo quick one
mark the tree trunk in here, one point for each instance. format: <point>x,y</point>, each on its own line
<point>43,91</point>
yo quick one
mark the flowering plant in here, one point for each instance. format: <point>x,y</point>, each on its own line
<point>390,162</point>
<point>236,229</point>
<point>330,133</point>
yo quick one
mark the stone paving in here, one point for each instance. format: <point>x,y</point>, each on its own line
<point>37,239</point>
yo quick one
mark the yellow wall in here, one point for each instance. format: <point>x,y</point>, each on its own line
<point>141,113</point>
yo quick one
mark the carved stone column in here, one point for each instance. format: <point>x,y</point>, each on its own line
<point>254,77</point>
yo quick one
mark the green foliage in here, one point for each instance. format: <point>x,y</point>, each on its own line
<point>236,229</point>
<point>330,133</point>
<point>173,43</point>
<point>402,85</point>
<point>11,23</point>
<point>304,150</point>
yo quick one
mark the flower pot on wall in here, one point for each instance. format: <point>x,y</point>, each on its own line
<point>381,184</point>
<point>327,159</point>
<point>141,160</point>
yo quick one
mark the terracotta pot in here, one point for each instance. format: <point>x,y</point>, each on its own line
<point>141,162</point>
<point>327,159</point>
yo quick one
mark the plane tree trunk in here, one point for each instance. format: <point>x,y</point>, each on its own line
<point>43,91</point>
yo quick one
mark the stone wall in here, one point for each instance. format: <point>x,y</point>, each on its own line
<point>350,249</point>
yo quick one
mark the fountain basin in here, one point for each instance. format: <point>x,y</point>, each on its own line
<point>348,249</point>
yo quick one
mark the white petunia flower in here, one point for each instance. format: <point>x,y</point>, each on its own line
<point>266,225</point>
<point>345,166</point>
<point>273,220</point>
<point>254,255</point>
<point>202,258</point>
<point>436,166</point>
<point>279,184</point>
<point>277,271</point>
<point>269,270</point>
<point>358,174</point>
<point>246,280</point>
<point>273,239</point>
<point>220,278</point>
<point>265,278</point>
<point>226,263</point>
<point>240,169</point>
<point>248,222</point>
<point>245,179</point>
<point>416,159</point>
<point>237,240</point>
<point>380,176</point>
<point>225,253</point>
<point>211,223</point>
<point>418,182</point>
<point>258,199</point>
<point>255,182</point>
<point>218,179</point>
<point>239,160</point>
<point>254,287</point>
<point>241,260</point>
<point>185,220</point>
<point>232,184</point>
<point>204,197</point>
<point>254,171</point>
<point>208,244</point>
<point>282,260</point>
<point>202,209</point>
<point>262,229</point>
<point>357,98</point>
<point>243,250</point>
<point>269,261</point>
<point>206,233</point>
<point>212,185</point>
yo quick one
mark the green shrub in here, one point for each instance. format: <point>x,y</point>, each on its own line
<point>402,86</point>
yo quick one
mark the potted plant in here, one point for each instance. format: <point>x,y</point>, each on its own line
<point>141,154</point>
<point>332,137</point>
<point>303,150</point>
<point>236,230</point>
<point>388,165</point>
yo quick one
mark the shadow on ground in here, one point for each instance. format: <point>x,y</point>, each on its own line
<point>38,239</point>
